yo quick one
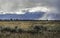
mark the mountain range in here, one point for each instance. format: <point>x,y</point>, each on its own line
<point>26,16</point>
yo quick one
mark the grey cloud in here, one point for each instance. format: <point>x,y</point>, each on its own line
<point>13,5</point>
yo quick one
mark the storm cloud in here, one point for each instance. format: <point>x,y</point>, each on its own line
<point>15,6</point>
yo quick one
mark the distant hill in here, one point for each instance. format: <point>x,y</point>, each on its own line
<point>26,16</point>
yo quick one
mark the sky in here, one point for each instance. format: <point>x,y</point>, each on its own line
<point>51,8</point>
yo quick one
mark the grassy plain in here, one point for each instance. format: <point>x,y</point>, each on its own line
<point>28,24</point>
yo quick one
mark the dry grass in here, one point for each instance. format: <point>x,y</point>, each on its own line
<point>28,24</point>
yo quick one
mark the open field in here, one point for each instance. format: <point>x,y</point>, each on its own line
<point>30,29</point>
<point>27,24</point>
